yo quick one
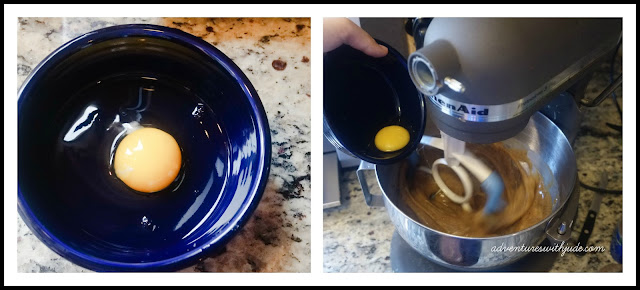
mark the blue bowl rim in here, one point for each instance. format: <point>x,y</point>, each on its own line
<point>264,146</point>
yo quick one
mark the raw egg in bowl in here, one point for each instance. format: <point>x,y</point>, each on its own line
<point>371,110</point>
<point>140,148</point>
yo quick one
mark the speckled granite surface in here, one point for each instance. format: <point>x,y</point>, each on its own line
<point>277,237</point>
<point>358,238</point>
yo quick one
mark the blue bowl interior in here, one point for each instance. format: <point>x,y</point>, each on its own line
<point>72,113</point>
<point>363,94</point>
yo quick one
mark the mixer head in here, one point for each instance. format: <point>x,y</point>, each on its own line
<point>485,77</point>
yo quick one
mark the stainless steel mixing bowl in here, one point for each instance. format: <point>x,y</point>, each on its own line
<point>550,153</point>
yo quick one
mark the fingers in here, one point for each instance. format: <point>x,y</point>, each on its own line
<point>361,40</point>
<point>338,31</point>
<point>334,31</point>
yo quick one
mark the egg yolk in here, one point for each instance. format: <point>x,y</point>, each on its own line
<point>391,138</point>
<point>147,160</point>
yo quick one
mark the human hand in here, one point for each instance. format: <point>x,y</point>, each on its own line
<point>338,31</point>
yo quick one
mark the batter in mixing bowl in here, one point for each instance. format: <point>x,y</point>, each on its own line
<point>527,201</point>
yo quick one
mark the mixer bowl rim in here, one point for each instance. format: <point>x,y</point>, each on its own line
<point>261,125</point>
<point>553,213</point>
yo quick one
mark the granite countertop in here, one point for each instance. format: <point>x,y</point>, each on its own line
<point>358,238</point>
<point>277,236</point>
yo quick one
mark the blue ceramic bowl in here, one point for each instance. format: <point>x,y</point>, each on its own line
<point>74,108</point>
<point>363,94</point>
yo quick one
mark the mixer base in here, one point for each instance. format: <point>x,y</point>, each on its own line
<point>406,259</point>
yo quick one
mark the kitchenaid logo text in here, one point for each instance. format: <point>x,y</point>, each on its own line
<point>461,108</point>
<point>545,249</point>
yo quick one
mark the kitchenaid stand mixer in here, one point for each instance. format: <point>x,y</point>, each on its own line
<point>484,78</point>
